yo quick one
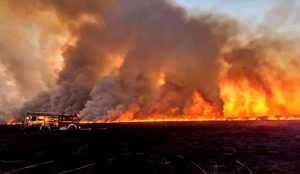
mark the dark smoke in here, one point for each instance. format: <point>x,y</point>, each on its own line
<point>189,60</point>
<point>121,48</point>
<point>84,63</point>
<point>155,36</point>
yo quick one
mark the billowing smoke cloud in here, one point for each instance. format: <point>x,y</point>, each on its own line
<point>189,60</point>
<point>146,33</point>
<point>28,59</point>
<point>84,62</point>
<point>112,55</point>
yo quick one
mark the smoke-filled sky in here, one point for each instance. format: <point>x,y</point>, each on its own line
<point>131,59</point>
<point>234,8</point>
<point>256,11</point>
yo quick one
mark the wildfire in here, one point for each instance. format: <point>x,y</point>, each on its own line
<point>161,79</point>
<point>241,101</point>
<point>106,63</point>
<point>200,107</point>
<point>245,99</point>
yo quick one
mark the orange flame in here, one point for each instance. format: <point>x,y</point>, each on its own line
<point>161,79</point>
<point>242,101</point>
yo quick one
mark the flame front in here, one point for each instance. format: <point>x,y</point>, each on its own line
<point>242,100</point>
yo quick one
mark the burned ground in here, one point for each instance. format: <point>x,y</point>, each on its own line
<point>185,147</point>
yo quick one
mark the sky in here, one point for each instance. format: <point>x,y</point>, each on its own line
<point>239,9</point>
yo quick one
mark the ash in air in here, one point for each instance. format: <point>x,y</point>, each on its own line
<point>133,59</point>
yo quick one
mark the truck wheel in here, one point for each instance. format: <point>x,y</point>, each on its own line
<point>72,128</point>
<point>44,128</point>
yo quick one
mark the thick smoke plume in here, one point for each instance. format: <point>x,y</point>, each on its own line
<point>107,59</point>
<point>189,60</point>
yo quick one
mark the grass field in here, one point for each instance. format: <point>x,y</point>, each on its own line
<point>168,147</point>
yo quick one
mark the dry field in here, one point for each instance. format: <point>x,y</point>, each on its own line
<point>181,147</point>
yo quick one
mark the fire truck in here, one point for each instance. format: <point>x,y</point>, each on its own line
<point>52,120</point>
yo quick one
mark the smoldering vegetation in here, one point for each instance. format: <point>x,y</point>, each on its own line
<point>116,51</point>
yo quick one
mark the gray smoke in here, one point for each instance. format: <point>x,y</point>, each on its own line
<point>119,50</point>
<point>189,60</point>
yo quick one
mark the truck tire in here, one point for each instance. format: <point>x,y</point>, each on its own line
<point>72,127</point>
<point>44,128</point>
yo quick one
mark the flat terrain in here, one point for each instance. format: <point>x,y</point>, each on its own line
<point>182,147</point>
